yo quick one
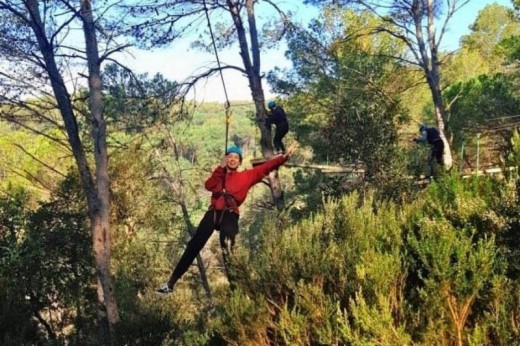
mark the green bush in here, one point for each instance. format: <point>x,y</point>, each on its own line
<point>366,271</point>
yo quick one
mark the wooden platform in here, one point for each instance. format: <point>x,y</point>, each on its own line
<point>491,171</point>
<point>353,169</point>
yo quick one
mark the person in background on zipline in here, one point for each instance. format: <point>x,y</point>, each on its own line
<point>432,136</point>
<point>229,188</point>
<point>277,117</point>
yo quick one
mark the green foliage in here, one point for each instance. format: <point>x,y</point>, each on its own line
<point>134,103</point>
<point>305,271</point>
<point>379,266</point>
<point>460,256</point>
<point>481,82</point>
<point>16,325</point>
<point>374,323</point>
<point>490,45</point>
<point>150,227</point>
<point>455,268</point>
<point>49,264</point>
<point>493,24</point>
<point>511,48</point>
<point>147,321</point>
<point>356,269</point>
<point>30,161</point>
<point>344,96</point>
<point>482,105</point>
<point>514,156</point>
<point>368,272</point>
<point>242,320</point>
<point>464,65</point>
<point>478,101</point>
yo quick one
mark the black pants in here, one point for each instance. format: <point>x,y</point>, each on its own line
<point>279,134</point>
<point>228,226</point>
<point>436,154</point>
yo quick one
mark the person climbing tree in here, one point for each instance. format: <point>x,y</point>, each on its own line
<point>431,136</point>
<point>277,117</point>
<point>229,188</point>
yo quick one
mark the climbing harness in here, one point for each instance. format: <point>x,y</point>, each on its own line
<point>229,202</point>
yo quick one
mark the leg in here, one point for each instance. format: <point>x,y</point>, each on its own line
<point>281,131</point>
<point>277,142</point>
<point>431,157</point>
<point>201,236</point>
<point>436,156</point>
<point>228,232</point>
<point>439,152</point>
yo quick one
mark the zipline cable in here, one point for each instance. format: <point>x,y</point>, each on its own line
<point>227,105</point>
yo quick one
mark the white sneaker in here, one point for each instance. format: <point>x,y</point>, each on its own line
<point>164,290</point>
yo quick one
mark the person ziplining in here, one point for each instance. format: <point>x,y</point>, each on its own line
<point>229,188</point>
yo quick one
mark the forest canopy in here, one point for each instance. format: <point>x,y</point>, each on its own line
<point>351,242</point>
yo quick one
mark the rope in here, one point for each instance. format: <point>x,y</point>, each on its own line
<point>227,105</point>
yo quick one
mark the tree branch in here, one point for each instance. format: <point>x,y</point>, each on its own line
<point>39,161</point>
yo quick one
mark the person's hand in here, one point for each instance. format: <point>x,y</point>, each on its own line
<point>223,162</point>
<point>292,148</point>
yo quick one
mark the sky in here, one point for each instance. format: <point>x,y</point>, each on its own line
<point>179,61</point>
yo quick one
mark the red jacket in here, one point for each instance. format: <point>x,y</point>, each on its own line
<point>237,184</point>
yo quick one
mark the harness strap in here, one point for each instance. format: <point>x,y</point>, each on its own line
<point>217,225</point>
<point>230,204</point>
<point>218,222</point>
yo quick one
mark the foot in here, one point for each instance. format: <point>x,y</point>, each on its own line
<point>164,290</point>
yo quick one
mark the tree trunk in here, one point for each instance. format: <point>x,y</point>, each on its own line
<point>433,78</point>
<point>95,204</point>
<point>430,65</point>
<point>63,100</point>
<point>439,115</point>
<point>101,216</point>
<point>252,69</point>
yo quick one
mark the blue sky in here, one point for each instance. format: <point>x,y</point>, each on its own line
<point>465,17</point>
<point>179,61</point>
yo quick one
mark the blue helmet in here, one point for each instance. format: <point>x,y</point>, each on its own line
<point>422,127</point>
<point>271,104</point>
<point>236,150</point>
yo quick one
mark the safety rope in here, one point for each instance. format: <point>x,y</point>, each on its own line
<point>227,105</point>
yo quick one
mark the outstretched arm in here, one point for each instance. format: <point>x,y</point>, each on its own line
<point>422,137</point>
<point>260,171</point>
